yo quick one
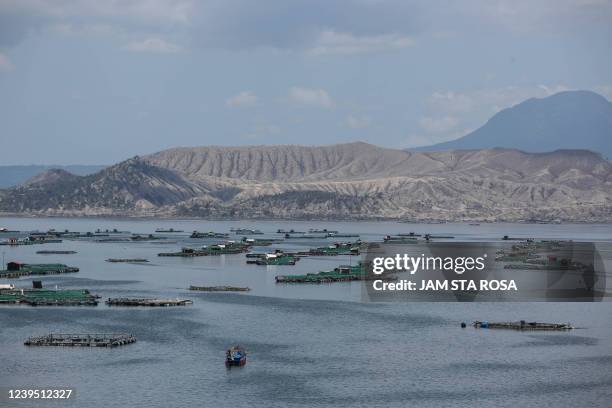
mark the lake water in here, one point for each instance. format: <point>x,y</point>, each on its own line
<point>313,345</point>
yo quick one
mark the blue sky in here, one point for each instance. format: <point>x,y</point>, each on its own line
<point>91,82</point>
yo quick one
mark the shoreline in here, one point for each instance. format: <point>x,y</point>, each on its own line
<point>314,219</point>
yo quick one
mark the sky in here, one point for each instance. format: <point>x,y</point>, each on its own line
<point>97,82</point>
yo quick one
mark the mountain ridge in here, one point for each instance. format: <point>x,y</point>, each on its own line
<point>346,181</point>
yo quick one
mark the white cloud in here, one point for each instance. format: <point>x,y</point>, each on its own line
<point>438,125</point>
<point>604,90</point>
<point>318,26</point>
<point>5,63</point>
<point>486,100</point>
<point>551,16</point>
<point>450,101</point>
<point>245,98</point>
<point>358,122</point>
<point>550,90</point>
<point>153,44</point>
<point>86,29</point>
<point>311,97</point>
<point>332,42</point>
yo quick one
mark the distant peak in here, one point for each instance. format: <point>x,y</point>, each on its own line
<point>571,120</point>
<point>571,95</point>
<point>50,176</point>
<point>580,93</point>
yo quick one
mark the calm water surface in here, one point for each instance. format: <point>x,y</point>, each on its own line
<point>309,345</point>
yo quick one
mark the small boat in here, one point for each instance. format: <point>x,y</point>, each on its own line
<point>235,356</point>
<point>169,230</point>
<point>7,230</point>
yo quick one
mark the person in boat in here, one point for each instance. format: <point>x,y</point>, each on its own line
<point>235,356</point>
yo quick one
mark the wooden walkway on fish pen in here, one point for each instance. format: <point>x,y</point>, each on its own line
<point>81,340</point>
<point>147,302</point>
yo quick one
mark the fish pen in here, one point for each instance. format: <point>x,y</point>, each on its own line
<point>212,250</point>
<point>343,273</point>
<point>17,270</point>
<point>210,234</point>
<point>522,325</point>
<point>170,230</point>
<point>127,260</point>
<point>259,242</point>
<point>48,297</point>
<point>81,340</point>
<point>45,252</point>
<point>273,259</point>
<point>219,288</point>
<point>339,248</point>
<point>147,302</point>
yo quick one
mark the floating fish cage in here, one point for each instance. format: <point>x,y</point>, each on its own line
<point>342,273</point>
<point>81,340</point>
<point>17,270</point>
<point>273,259</point>
<point>48,297</point>
<point>45,252</point>
<point>522,325</point>
<point>147,302</point>
<point>219,288</point>
<point>212,250</point>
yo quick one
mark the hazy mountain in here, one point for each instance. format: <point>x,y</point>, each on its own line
<point>566,120</point>
<point>346,181</point>
<point>13,175</point>
<point>50,177</point>
<point>125,188</point>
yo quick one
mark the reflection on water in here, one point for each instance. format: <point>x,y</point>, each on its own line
<point>309,345</point>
